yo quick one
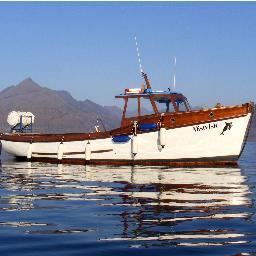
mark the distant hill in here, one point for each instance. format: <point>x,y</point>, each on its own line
<point>55,111</point>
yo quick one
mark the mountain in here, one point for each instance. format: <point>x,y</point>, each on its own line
<point>55,111</point>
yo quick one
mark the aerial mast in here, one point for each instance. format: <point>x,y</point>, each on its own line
<point>144,75</point>
<point>174,74</point>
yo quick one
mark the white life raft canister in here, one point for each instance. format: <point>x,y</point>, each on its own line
<point>15,117</point>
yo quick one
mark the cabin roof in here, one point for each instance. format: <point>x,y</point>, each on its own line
<point>159,96</point>
<point>147,93</point>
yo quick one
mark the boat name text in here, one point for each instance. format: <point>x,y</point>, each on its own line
<point>199,128</point>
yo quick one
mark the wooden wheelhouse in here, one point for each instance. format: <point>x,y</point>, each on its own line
<point>172,100</point>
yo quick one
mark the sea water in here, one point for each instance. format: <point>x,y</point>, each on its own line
<point>50,209</point>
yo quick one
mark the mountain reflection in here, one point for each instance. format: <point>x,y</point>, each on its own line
<point>184,206</point>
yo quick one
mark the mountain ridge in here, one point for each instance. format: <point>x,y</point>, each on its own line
<point>55,111</point>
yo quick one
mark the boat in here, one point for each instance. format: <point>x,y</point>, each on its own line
<point>172,135</point>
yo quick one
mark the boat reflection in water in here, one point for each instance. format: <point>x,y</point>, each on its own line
<point>182,207</point>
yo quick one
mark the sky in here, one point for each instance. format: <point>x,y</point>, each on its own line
<point>88,48</point>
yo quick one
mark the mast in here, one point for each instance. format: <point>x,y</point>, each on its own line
<point>144,75</point>
<point>174,74</point>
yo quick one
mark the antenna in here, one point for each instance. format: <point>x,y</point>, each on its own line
<point>138,53</point>
<point>174,74</point>
<point>141,70</point>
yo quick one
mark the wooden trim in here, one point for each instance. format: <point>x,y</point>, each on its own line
<point>174,104</point>
<point>44,138</point>
<point>153,104</point>
<point>229,161</point>
<point>186,104</point>
<point>139,111</point>
<point>124,112</point>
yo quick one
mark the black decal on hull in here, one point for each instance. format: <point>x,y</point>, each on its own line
<point>227,127</point>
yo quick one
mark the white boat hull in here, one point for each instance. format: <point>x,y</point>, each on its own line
<point>219,141</point>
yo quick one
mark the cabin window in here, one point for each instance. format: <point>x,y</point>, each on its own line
<point>181,106</point>
<point>165,107</point>
<point>132,107</point>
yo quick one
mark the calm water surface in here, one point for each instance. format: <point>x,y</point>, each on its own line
<point>87,210</point>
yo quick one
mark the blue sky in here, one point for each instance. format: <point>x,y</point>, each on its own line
<point>88,49</point>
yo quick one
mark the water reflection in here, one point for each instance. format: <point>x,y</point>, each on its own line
<point>183,206</point>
